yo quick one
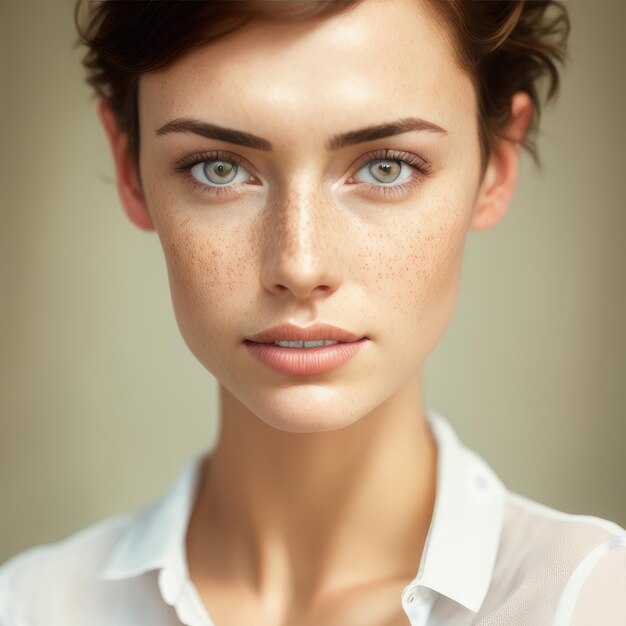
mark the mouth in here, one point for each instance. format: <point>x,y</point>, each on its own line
<point>297,351</point>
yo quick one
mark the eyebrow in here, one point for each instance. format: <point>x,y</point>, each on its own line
<point>188,125</point>
<point>380,131</point>
<point>239,137</point>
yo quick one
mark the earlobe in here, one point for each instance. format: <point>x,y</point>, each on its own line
<point>128,185</point>
<point>500,177</point>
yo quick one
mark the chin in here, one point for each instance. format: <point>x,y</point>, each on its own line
<point>303,408</point>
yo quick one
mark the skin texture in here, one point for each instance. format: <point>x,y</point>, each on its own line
<point>316,503</point>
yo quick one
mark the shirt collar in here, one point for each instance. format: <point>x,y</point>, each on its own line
<point>461,546</point>
<point>156,538</point>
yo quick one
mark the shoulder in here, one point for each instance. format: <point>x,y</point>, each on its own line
<point>56,573</point>
<point>573,564</point>
<point>596,590</point>
<point>537,526</point>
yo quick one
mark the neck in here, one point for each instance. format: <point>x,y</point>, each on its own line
<point>307,514</point>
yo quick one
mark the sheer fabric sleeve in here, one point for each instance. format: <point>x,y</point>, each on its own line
<point>596,591</point>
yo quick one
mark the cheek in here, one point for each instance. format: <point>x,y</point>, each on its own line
<point>208,277</point>
<point>417,272</point>
<point>417,262</point>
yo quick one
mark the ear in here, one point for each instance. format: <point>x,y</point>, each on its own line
<point>500,177</point>
<point>128,182</point>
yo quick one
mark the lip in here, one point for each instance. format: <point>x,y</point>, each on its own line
<point>304,361</point>
<point>317,332</point>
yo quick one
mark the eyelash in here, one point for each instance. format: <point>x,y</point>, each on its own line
<point>186,164</point>
<point>421,167</point>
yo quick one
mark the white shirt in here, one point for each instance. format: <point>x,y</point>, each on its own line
<point>492,557</point>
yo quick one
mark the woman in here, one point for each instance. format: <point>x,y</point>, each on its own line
<point>312,171</point>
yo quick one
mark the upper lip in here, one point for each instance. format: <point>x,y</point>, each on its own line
<point>317,332</point>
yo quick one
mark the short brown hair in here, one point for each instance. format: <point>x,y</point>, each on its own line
<point>505,45</point>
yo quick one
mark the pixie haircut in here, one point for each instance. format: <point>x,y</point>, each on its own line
<point>506,46</point>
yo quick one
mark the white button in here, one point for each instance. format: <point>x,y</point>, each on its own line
<point>416,595</point>
<point>417,603</point>
<point>481,481</point>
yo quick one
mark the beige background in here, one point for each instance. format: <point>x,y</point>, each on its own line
<point>100,401</point>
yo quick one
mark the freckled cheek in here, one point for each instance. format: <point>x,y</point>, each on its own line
<point>207,279</point>
<point>418,271</point>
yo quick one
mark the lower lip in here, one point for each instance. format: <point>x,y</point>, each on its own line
<point>304,361</point>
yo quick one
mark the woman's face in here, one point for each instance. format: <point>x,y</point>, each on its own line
<point>305,229</point>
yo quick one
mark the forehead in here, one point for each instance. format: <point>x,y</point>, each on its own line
<point>342,71</point>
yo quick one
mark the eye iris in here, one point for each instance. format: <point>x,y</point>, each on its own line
<point>220,172</point>
<point>385,171</point>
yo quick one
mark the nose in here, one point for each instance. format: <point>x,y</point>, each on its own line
<point>301,245</point>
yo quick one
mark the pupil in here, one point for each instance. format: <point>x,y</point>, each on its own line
<point>222,169</point>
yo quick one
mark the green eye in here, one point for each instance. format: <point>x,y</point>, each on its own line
<point>220,172</point>
<point>385,171</point>
<point>216,173</point>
